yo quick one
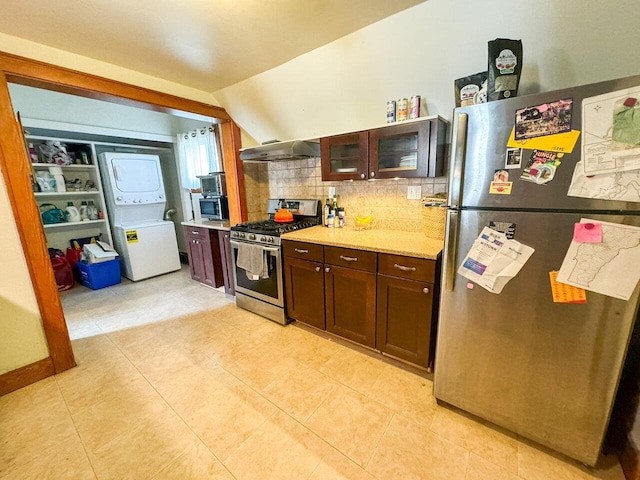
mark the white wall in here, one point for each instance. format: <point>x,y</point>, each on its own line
<point>344,86</point>
<point>35,103</point>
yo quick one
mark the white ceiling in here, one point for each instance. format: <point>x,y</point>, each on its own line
<point>204,44</point>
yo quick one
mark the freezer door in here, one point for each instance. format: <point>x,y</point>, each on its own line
<point>479,148</point>
<point>147,250</point>
<point>548,371</point>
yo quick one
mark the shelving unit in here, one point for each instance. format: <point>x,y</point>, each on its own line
<point>59,234</point>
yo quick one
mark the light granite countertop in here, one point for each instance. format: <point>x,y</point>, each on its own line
<point>221,225</point>
<point>413,244</point>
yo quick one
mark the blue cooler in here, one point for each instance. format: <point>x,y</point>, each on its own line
<point>100,275</point>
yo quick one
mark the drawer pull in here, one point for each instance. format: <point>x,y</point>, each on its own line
<point>403,268</point>
<point>425,290</point>
<point>349,259</point>
<point>194,232</point>
<point>317,269</point>
<point>301,250</point>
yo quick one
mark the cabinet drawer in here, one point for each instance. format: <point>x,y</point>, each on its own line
<point>407,267</point>
<point>351,258</point>
<point>195,233</point>
<point>306,251</point>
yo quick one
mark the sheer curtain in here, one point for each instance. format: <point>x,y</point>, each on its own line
<point>198,154</point>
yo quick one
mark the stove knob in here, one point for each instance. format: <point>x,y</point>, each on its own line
<point>252,237</point>
<point>270,240</point>
<point>263,239</point>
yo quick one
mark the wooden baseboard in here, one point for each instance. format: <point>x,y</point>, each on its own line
<point>630,461</point>
<point>26,375</point>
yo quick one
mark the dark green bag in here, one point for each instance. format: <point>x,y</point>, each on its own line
<point>52,214</point>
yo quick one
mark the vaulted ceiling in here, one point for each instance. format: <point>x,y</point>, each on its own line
<point>204,44</point>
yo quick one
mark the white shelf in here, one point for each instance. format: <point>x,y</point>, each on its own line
<point>59,234</point>
<point>66,194</point>
<point>73,224</point>
<point>72,166</point>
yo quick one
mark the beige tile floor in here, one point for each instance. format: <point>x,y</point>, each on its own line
<point>174,382</point>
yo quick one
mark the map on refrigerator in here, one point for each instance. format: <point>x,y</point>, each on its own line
<point>610,164</point>
<point>609,267</point>
<point>621,186</point>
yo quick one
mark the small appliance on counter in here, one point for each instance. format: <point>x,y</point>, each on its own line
<point>213,204</point>
<point>257,261</point>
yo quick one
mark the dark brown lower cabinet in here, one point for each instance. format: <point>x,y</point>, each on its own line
<point>304,290</point>
<point>304,282</point>
<point>227,262</point>
<point>384,301</point>
<point>350,297</point>
<point>350,293</point>
<point>407,308</point>
<point>404,319</point>
<point>205,261</point>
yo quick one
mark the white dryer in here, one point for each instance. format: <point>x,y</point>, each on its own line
<point>135,196</point>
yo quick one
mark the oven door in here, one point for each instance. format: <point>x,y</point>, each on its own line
<point>267,289</point>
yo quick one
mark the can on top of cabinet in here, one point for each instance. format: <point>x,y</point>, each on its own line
<point>391,111</point>
<point>403,109</point>
<point>414,106</point>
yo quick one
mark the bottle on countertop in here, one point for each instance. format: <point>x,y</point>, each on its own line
<point>325,213</point>
<point>341,217</point>
<point>335,209</point>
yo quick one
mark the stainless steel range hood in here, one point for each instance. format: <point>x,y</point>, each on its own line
<point>292,150</point>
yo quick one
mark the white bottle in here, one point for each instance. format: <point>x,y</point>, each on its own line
<point>73,215</point>
<point>84,211</point>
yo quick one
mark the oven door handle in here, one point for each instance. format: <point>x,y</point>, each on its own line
<point>268,249</point>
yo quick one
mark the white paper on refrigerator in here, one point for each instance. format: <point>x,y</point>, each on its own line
<point>494,260</point>
<point>609,267</point>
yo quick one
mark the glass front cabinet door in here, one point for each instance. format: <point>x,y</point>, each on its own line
<point>345,157</point>
<point>407,150</point>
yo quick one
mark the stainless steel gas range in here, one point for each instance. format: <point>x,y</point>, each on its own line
<point>257,273</point>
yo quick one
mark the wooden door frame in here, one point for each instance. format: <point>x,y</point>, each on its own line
<point>16,169</point>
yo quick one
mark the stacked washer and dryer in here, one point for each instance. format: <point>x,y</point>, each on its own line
<point>136,201</point>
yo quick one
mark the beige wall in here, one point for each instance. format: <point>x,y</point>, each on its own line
<point>22,338</point>
<point>344,86</point>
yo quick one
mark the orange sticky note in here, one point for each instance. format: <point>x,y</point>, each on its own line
<point>563,293</point>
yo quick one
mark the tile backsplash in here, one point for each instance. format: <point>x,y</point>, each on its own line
<point>385,199</point>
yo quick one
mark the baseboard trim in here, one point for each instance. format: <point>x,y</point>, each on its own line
<point>23,376</point>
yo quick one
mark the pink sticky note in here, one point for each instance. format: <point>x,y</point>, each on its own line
<point>587,232</point>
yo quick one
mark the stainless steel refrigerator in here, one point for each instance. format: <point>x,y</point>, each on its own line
<point>547,371</point>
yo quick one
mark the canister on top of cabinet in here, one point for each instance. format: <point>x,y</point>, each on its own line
<point>403,109</point>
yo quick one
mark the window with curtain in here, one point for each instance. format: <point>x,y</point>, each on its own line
<point>198,154</point>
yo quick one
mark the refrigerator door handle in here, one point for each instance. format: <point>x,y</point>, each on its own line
<point>451,249</point>
<point>458,157</point>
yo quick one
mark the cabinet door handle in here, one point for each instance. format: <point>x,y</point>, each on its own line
<point>317,269</point>
<point>362,175</point>
<point>327,269</point>
<point>349,259</point>
<point>403,268</point>
<point>373,174</point>
<point>425,290</point>
<point>301,250</point>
